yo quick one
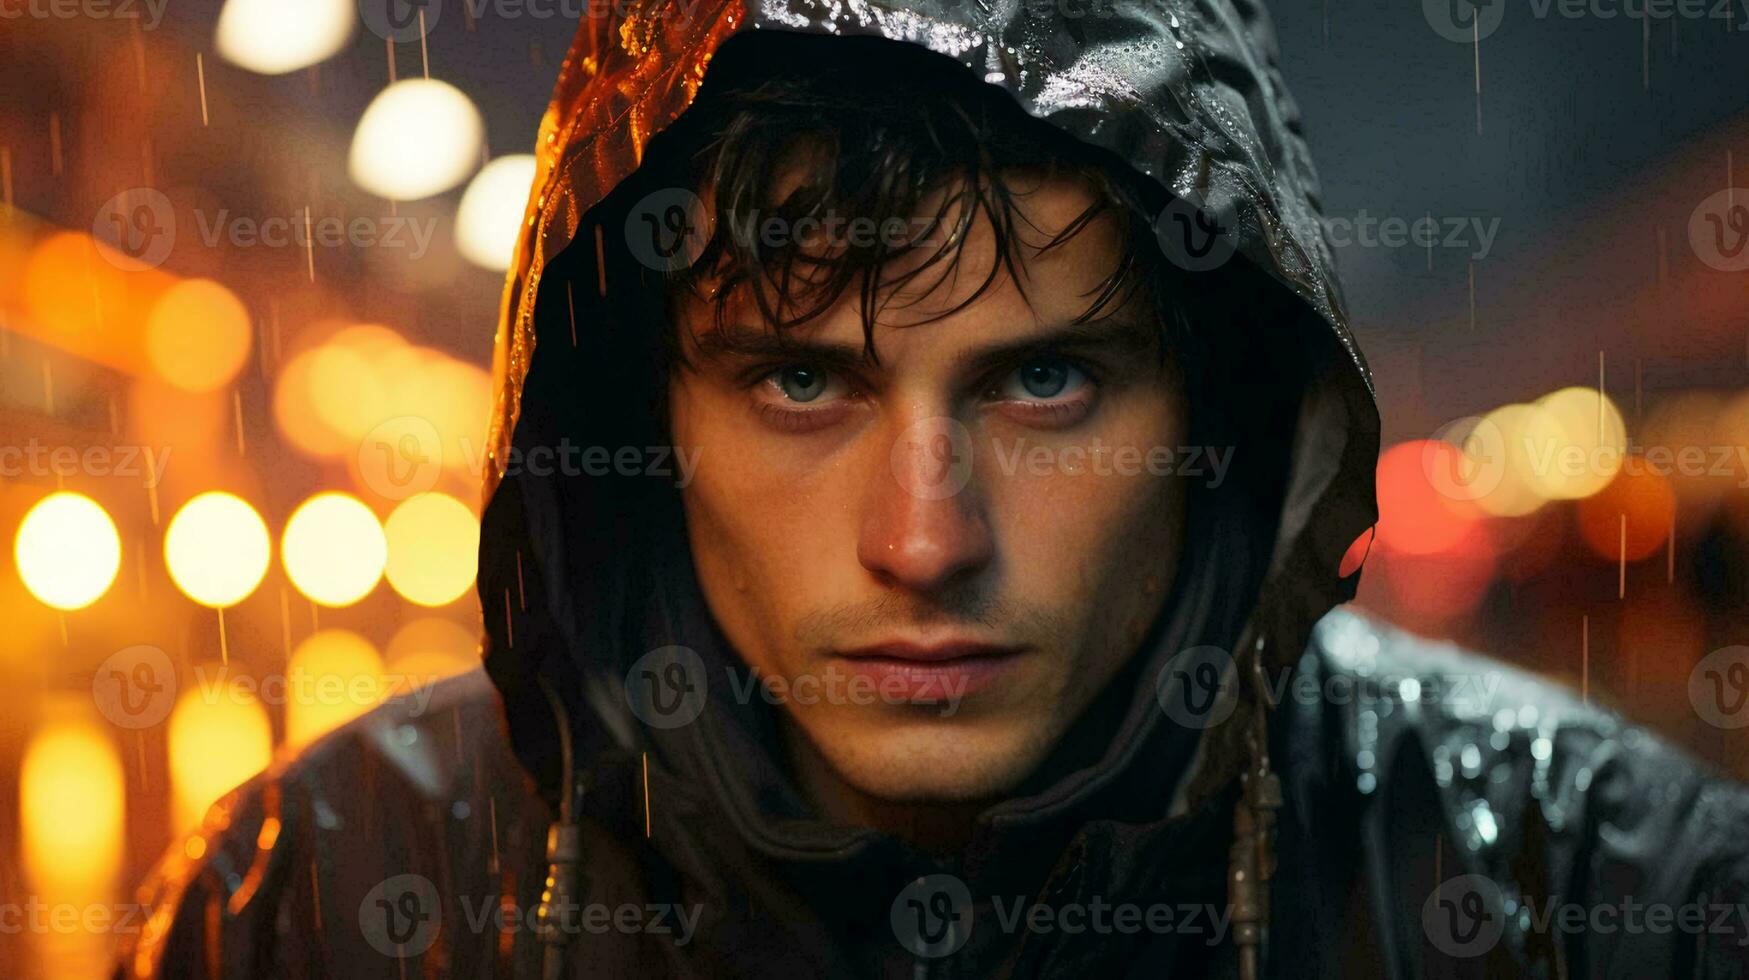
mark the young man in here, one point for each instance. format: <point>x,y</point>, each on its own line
<point>930,449</point>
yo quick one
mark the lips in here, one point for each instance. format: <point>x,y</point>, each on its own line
<point>930,673</point>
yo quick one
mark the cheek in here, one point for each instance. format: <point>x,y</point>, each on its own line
<point>761,529</point>
<point>1077,537</point>
<point>1098,546</point>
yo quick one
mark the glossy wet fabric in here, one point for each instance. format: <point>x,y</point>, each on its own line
<point>425,834</point>
<point>1422,765</point>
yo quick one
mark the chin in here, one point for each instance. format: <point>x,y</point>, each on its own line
<point>933,764</point>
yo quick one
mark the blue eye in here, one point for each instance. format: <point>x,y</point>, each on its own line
<point>800,384</point>
<point>1043,378</point>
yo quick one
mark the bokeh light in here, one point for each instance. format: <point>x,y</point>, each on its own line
<point>357,378</point>
<point>67,551</point>
<point>274,37</point>
<point>1519,436</point>
<point>333,677</point>
<point>490,216</point>
<point>1415,517</point>
<point>334,549</point>
<point>1645,498</point>
<point>71,793</point>
<point>428,650</point>
<point>69,288</point>
<point>1589,456</point>
<point>72,826</point>
<point>217,549</point>
<point>434,544</point>
<point>198,335</point>
<point>366,394</point>
<point>219,737</point>
<point>418,137</point>
<point>392,410</point>
<point>294,409</point>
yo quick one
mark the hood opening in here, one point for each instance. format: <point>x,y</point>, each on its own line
<point>579,577</point>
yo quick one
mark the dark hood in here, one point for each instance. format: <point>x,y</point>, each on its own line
<point>581,575</point>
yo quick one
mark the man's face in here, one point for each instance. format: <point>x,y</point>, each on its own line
<point>945,555</point>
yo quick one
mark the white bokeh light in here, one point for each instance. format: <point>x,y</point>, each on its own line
<point>490,216</point>
<point>417,138</point>
<point>274,37</point>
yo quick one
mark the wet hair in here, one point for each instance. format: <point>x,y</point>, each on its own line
<point>799,126</point>
<point>903,145</point>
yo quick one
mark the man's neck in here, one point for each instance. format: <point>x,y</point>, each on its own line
<point>937,828</point>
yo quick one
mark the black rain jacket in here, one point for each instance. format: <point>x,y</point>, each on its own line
<point>1441,814</point>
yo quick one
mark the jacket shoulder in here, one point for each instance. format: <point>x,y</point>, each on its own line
<point>1540,790</point>
<point>414,784</point>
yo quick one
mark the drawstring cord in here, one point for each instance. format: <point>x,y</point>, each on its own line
<point>1251,862</point>
<point>560,899</point>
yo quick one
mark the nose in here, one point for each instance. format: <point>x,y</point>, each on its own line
<point>923,521</point>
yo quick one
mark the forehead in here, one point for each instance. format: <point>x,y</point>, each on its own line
<point>1037,251</point>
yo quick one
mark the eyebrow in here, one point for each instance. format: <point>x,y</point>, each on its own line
<point>1122,333</point>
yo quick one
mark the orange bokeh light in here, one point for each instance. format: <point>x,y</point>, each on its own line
<point>1647,500</point>
<point>198,335</point>
<point>1415,518</point>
